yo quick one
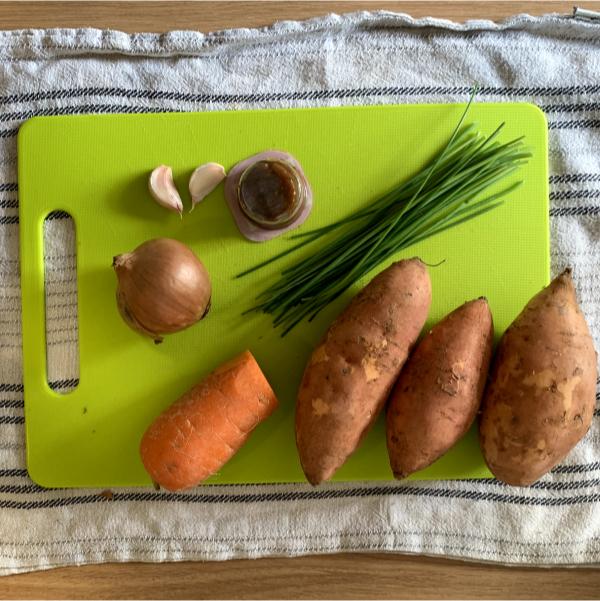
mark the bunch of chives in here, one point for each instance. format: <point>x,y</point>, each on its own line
<point>443,195</point>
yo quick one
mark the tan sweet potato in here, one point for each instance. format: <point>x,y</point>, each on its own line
<point>541,395</point>
<point>438,392</point>
<point>351,372</point>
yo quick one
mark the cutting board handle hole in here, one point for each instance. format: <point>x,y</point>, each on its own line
<point>60,285</point>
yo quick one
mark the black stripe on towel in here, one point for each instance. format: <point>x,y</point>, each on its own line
<point>54,215</point>
<point>77,110</point>
<point>574,178</point>
<point>58,384</point>
<point>574,194</point>
<point>54,384</point>
<point>116,109</point>
<point>30,489</point>
<point>11,403</point>
<point>9,133</point>
<point>294,496</point>
<point>11,387</point>
<point>561,469</point>
<point>11,419</point>
<point>571,107</point>
<point>118,92</point>
<point>575,211</point>
<point>574,124</point>
<point>577,468</point>
<point>227,99</point>
<point>13,472</point>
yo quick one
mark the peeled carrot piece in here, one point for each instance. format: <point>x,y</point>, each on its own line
<point>205,427</point>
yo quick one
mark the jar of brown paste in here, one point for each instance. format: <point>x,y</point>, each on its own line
<point>271,193</point>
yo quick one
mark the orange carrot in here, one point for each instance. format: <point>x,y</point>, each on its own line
<point>205,427</point>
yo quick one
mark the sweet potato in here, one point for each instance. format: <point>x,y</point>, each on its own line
<point>541,395</point>
<point>351,372</point>
<point>436,398</point>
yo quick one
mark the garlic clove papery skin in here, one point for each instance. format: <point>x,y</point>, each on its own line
<point>162,189</point>
<point>204,180</point>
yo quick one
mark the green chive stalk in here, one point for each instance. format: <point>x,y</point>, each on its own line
<point>446,193</point>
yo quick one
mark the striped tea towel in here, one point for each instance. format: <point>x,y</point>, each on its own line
<point>361,58</point>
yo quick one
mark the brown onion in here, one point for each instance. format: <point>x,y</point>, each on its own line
<point>163,287</point>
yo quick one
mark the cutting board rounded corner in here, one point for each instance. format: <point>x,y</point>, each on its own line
<point>534,108</point>
<point>39,476</point>
<point>24,130</point>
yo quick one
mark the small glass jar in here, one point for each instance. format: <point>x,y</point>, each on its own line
<point>271,193</point>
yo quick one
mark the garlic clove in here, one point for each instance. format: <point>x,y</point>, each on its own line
<point>204,180</point>
<point>163,190</point>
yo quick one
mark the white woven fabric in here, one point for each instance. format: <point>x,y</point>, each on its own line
<point>363,58</point>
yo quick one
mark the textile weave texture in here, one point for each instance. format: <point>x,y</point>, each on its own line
<point>360,58</point>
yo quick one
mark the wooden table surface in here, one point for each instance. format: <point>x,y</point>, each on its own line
<point>334,576</point>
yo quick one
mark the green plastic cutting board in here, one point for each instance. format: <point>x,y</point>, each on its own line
<point>96,168</point>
